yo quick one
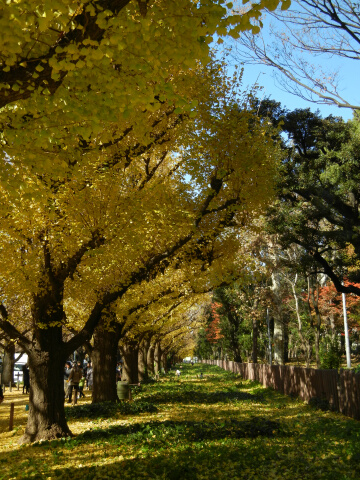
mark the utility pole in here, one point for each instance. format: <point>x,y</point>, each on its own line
<point>346,328</point>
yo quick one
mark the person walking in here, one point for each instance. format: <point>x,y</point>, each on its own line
<point>67,371</point>
<point>90,376</point>
<point>74,379</point>
<point>81,386</point>
<point>26,378</point>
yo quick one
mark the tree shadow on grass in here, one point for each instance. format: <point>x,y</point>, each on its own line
<point>109,409</point>
<point>204,461</point>
<point>155,432</point>
<point>157,439</point>
<point>195,396</point>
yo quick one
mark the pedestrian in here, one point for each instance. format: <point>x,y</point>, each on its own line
<point>85,369</point>
<point>81,367</point>
<point>90,376</point>
<point>81,386</point>
<point>74,379</point>
<point>118,372</point>
<point>67,371</point>
<point>26,378</point>
<point>1,394</point>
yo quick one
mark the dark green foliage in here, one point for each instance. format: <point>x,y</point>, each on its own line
<point>320,403</point>
<point>171,431</point>
<point>330,353</point>
<point>203,348</point>
<point>109,409</point>
<point>319,194</point>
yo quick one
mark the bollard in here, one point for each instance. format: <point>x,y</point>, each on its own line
<point>10,387</point>
<point>11,422</point>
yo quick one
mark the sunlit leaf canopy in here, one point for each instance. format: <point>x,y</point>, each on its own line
<point>131,206</point>
<point>69,68</point>
<point>119,148</point>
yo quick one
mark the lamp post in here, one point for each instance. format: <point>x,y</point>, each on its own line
<point>346,328</point>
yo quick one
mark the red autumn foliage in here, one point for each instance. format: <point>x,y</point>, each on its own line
<point>213,331</point>
<point>330,300</point>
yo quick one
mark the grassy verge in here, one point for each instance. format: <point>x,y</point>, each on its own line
<point>216,427</point>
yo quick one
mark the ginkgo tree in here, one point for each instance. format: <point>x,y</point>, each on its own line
<point>121,214</point>
<point>140,318</point>
<point>66,67</point>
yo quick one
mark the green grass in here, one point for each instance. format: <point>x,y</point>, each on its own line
<point>216,427</point>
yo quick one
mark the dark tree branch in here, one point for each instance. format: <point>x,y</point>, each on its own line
<point>10,330</point>
<point>89,30</point>
<point>336,279</point>
<point>148,271</point>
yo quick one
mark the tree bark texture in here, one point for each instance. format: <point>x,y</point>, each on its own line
<point>279,333</point>
<point>278,339</point>
<point>46,359</point>
<point>104,359</point>
<point>150,360</point>
<point>157,367</point>
<point>317,326</point>
<point>142,367</point>
<point>130,353</point>
<point>234,321</point>
<point>8,363</point>
<point>163,361</point>
<point>254,340</point>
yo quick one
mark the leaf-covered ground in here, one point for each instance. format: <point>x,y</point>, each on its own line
<point>216,427</point>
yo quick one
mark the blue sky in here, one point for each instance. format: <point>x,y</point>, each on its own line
<point>349,78</point>
<point>350,82</point>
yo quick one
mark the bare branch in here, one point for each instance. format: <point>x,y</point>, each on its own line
<point>310,29</point>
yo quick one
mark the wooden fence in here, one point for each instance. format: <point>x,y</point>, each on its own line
<point>340,389</point>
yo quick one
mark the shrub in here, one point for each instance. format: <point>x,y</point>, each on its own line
<point>330,354</point>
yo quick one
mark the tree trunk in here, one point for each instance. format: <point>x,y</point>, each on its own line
<point>332,326</point>
<point>234,321</point>
<point>157,358</point>
<point>254,340</point>
<point>142,360</point>
<point>278,339</point>
<point>8,363</point>
<point>279,333</point>
<point>304,342</point>
<point>46,359</point>
<point>255,331</point>
<point>130,353</point>
<point>163,361</point>
<point>315,301</point>
<point>150,360</point>
<point>104,357</point>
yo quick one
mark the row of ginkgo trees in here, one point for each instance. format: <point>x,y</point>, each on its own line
<point>124,222</point>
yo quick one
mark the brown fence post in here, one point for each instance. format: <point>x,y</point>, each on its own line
<point>341,390</point>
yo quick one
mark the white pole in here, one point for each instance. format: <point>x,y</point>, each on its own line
<point>346,328</point>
